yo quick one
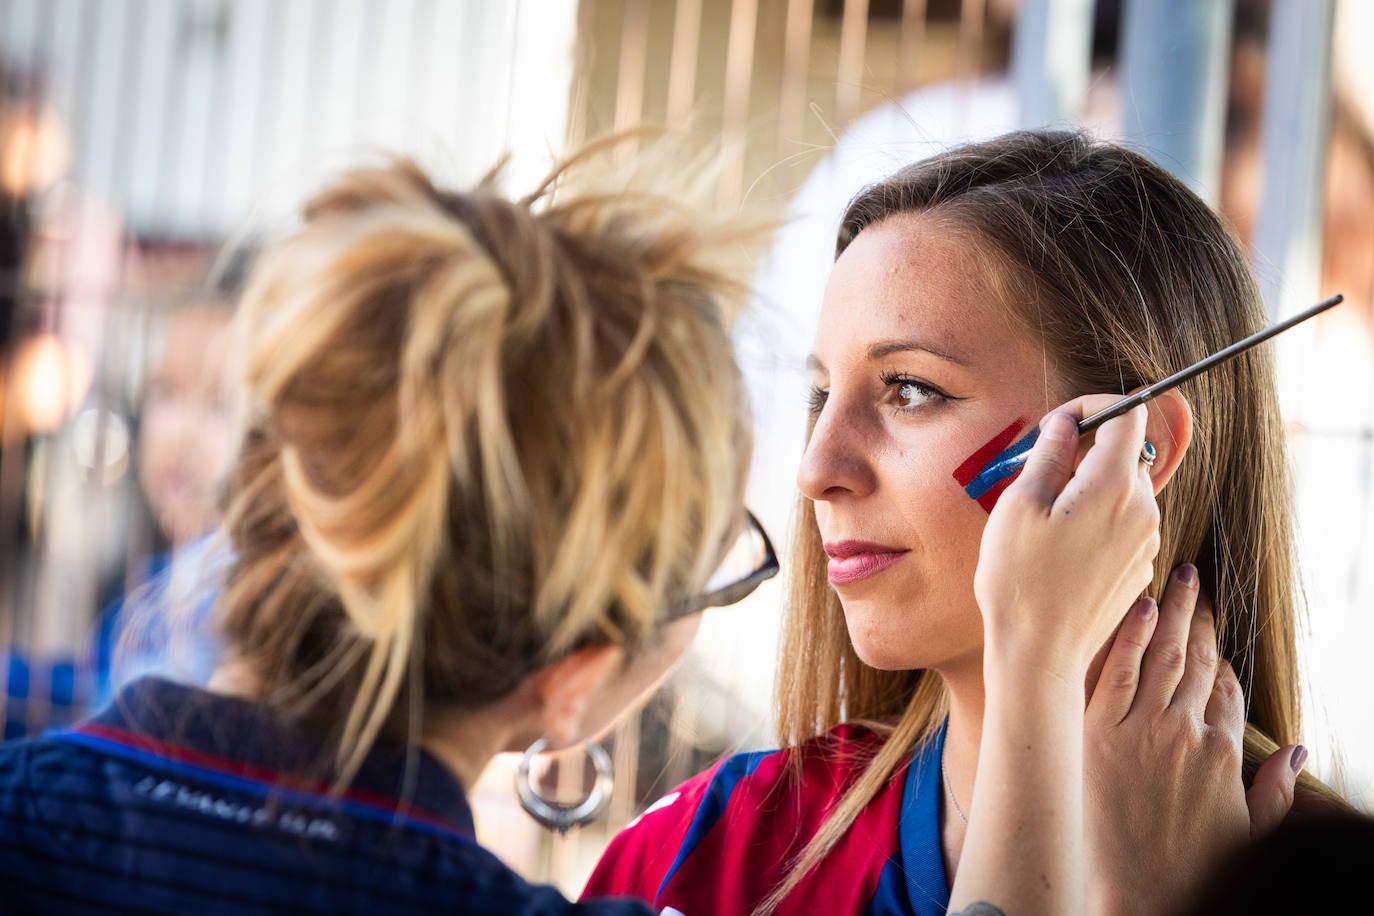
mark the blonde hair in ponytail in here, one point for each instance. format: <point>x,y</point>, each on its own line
<point>483,432</point>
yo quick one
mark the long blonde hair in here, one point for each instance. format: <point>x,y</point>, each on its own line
<point>484,432</point>
<point>1124,276</point>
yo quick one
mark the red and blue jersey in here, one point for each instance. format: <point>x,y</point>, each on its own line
<point>719,843</point>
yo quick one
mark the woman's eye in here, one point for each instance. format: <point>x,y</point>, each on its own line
<point>815,399</point>
<point>912,394</point>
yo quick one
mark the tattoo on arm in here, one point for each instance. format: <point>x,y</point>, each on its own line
<point>980,909</point>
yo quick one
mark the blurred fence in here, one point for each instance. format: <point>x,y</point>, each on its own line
<point>139,138</point>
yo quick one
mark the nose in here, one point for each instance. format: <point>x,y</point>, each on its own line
<point>836,462</point>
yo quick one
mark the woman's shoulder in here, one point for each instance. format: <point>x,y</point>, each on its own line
<point>766,798</point>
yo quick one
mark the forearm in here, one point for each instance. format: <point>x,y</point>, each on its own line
<point>1024,850</point>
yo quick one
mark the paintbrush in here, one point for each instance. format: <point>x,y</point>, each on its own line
<point>1088,424</point>
<point>996,474</point>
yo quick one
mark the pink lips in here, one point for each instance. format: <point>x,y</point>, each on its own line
<point>853,561</point>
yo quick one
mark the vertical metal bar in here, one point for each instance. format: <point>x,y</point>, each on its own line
<point>795,57</point>
<point>913,33</point>
<point>1174,65</point>
<point>969,62</point>
<point>36,79</point>
<point>512,75</point>
<point>1294,135</point>
<point>200,58</point>
<point>322,28</point>
<point>682,67</point>
<point>53,617</point>
<point>1051,57</point>
<point>849,70</point>
<point>222,89</point>
<point>122,185</point>
<point>580,91</point>
<point>422,58</point>
<point>21,47</point>
<point>739,73</point>
<point>272,40</point>
<point>243,118</point>
<point>629,87</point>
<point>368,32</point>
<point>128,80</point>
<point>173,103</point>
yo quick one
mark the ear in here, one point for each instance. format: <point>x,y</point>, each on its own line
<point>563,690</point>
<point>1169,428</point>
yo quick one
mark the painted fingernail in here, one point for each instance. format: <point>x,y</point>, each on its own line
<point>1298,759</point>
<point>1145,607</point>
<point>1187,574</point>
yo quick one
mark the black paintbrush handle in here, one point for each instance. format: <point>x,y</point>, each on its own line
<point>1088,424</point>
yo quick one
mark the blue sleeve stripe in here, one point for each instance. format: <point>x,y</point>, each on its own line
<point>713,805</point>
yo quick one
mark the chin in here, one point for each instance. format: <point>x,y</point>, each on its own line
<point>878,648</point>
<point>891,640</point>
<point>874,657</point>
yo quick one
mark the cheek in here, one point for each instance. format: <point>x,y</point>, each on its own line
<point>949,530</point>
<point>216,444</point>
<point>156,441</point>
<point>967,480</point>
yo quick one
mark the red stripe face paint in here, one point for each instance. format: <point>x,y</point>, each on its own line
<point>992,468</point>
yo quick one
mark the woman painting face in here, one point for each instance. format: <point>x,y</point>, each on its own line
<point>917,368</point>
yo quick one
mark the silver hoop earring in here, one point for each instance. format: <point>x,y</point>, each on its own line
<point>556,815</point>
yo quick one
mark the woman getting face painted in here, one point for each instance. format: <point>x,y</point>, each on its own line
<point>974,296</point>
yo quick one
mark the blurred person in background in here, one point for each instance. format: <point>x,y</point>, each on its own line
<point>184,422</point>
<point>183,443</point>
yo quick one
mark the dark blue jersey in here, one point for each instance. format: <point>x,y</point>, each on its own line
<point>178,801</point>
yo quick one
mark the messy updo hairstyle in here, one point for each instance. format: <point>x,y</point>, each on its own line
<point>482,432</point>
<point>1123,276</point>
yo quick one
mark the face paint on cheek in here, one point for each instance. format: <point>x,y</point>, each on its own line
<point>991,469</point>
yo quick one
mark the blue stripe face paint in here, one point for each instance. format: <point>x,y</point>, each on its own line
<point>1005,466</point>
<point>992,468</point>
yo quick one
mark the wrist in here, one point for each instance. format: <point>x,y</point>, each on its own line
<point>1028,656</point>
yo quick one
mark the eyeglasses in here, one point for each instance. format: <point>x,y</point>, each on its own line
<point>747,564</point>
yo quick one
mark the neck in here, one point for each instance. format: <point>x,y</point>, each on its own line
<point>964,732</point>
<point>464,743</point>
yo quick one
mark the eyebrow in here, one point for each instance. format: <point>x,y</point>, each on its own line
<point>888,347</point>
